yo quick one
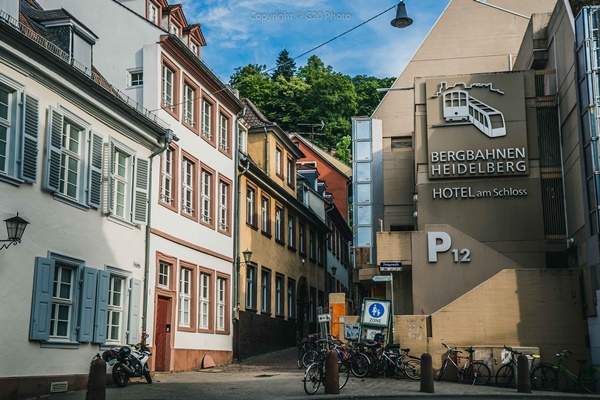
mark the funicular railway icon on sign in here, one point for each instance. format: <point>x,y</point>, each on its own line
<point>460,107</point>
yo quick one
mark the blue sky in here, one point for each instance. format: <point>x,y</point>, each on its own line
<point>255,31</point>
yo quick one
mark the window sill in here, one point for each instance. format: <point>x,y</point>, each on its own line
<point>254,227</point>
<point>266,234</point>
<point>11,180</point>
<point>265,313</point>
<point>120,221</point>
<point>279,241</point>
<point>252,310</point>
<point>291,248</point>
<point>59,345</point>
<point>279,316</point>
<point>69,201</point>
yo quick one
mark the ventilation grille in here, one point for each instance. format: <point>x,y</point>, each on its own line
<point>58,387</point>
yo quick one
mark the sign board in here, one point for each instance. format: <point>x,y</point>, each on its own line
<point>381,278</point>
<point>376,312</point>
<point>324,317</point>
<point>390,266</point>
<point>351,331</point>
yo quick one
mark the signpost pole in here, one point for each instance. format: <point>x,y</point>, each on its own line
<point>391,337</point>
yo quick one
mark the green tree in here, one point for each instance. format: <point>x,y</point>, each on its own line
<point>252,82</point>
<point>285,105</point>
<point>366,91</point>
<point>343,150</point>
<point>286,67</point>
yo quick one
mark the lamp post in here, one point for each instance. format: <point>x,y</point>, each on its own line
<point>15,227</point>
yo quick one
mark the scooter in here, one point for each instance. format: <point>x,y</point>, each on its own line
<point>128,362</point>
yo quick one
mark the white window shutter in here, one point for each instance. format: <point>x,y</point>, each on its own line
<point>135,299</point>
<point>95,170</point>
<point>54,151</point>
<point>111,167</point>
<point>140,191</point>
<point>29,138</point>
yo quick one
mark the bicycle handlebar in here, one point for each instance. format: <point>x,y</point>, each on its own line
<point>453,349</point>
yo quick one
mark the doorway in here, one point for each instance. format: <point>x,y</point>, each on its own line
<point>162,333</point>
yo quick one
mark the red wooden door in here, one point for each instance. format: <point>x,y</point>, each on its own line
<point>161,333</point>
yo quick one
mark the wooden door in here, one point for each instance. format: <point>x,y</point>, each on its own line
<point>161,333</point>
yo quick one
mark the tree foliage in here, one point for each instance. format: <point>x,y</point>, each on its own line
<point>315,93</point>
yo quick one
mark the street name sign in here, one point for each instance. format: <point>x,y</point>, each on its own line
<point>381,278</point>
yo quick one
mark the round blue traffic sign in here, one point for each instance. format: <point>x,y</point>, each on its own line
<point>376,310</point>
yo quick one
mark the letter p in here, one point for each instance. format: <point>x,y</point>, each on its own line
<point>437,242</point>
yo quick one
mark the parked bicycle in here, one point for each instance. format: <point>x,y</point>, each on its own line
<point>391,360</point>
<point>505,377</point>
<point>315,373</point>
<point>558,377</point>
<point>473,371</point>
<point>358,362</point>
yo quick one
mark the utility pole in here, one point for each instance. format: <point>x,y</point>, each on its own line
<point>312,131</point>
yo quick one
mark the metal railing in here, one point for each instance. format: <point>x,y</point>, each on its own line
<point>7,20</point>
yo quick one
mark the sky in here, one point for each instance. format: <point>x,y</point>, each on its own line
<point>245,32</point>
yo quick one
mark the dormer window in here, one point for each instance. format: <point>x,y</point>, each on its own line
<point>174,30</point>
<point>152,13</point>
<point>194,48</point>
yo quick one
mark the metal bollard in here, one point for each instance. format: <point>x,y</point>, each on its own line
<point>523,379</point>
<point>332,373</point>
<point>96,389</point>
<point>426,373</point>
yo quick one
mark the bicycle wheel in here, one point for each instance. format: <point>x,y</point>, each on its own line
<point>443,369</point>
<point>560,378</point>
<point>309,357</point>
<point>312,378</point>
<point>505,377</point>
<point>590,378</point>
<point>481,373</point>
<point>360,365</point>
<point>412,369</point>
<point>344,374</point>
<point>543,377</point>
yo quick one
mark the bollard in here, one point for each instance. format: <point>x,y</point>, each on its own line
<point>96,389</point>
<point>426,373</point>
<point>523,379</point>
<point>332,373</point>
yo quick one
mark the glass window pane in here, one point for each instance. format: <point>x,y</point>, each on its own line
<point>363,236</point>
<point>363,215</point>
<point>363,172</point>
<point>362,151</point>
<point>362,130</point>
<point>363,192</point>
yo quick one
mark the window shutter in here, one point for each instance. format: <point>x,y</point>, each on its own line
<point>100,324</point>
<point>140,191</point>
<point>29,145</point>
<point>55,126</point>
<point>135,296</point>
<point>87,305</point>
<point>95,171</point>
<point>41,305</point>
<point>111,168</point>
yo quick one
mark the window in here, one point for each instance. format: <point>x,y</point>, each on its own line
<point>250,287</point>
<point>124,196</point>
<point>243,139</point>
<point>223,133</point>
<point>18,142</point>
<point>321,251</point>
<point>189,98</point>
<point>250,211</point>
<point>279,224</point>
<point>188,188</point>
<point>168,180</point>
<point>291,172</point>
<point>206,194</point>
<point>168,77</point>
<point>302,237</point>
<point>204,302</point>
<point>116,294</point>
<point>207,108</point>
<point>185,291</point>
<point>194,48</point>
<point>164,274</point>
<point>265,207</point>
<point>174,29</point>
<point>278,161</point>
<point>402,143</point>
<point>73,303</point>
<point>70,162</point>
<point>152,13</point>
<point>222,302</point>
<point>136,79</point>
<point>313,305</point>
<point>279,295</point>
<point>311,245</point>
<point>291,231</point>
<point>224,205</point>
<point>265,291</point>
<point>291,298</point>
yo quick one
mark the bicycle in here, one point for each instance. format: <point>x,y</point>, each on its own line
<point>315,373</point>
<point>558,377</point>
<point>390,357</point>
<point>475,372</point>
<point>358,362</point>
<point>505,376</point>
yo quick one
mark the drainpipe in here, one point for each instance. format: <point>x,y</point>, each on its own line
<point>236,238</point>
<point>327,235</point>
<point>266,150</point>
<point>169,137</point>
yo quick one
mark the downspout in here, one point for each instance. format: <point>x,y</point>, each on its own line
<point>169,137</point>
<point>327,236</point>
<point>266,150</point>
<point>236,238</point>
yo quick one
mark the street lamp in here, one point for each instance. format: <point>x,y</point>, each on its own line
<point>15,227</point>
<point>402,20</point>
<point>247,256</point>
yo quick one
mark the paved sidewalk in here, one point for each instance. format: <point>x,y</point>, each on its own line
<point>276,376</point>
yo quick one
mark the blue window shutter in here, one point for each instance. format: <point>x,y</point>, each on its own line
<point>54,151</point>
<point>41,305</point>
<point>101,320</point>
<point>95,171</point>
<point>111,168</point>
<point>140,191</point>
<point>29,145</point>
<point>135,297</point>
<point>87,305</point>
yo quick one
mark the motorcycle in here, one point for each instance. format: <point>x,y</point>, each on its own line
<point>128,362</point>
